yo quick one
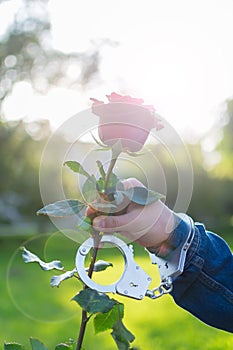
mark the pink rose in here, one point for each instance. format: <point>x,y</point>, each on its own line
<point>125,118</point>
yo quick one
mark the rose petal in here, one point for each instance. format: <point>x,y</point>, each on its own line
<point>114,97</point>
<point>150,107</point>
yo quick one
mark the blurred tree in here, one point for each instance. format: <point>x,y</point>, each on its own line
<point>212,197</point>
<point>26,53</point>
<point>224,169</point>
<point>20,149</point>
<point>207,203</point>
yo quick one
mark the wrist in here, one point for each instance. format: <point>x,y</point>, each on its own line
<point>173,265</point>
<point>165,247</point>
<point>162,250</point>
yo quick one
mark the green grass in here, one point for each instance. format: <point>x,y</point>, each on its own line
<point>30,307</point>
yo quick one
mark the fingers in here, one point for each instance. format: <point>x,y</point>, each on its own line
<point>111,224</point>
<point>128,183</point>
<point>121,222</point>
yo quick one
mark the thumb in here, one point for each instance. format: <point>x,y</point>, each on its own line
<point>111,223</point>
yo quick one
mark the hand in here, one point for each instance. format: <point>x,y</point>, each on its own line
<point>149,225</point>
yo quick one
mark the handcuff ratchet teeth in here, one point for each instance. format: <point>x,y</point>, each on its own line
<point>134,281</point>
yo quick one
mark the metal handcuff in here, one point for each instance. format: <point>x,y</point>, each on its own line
<point>134,281</point>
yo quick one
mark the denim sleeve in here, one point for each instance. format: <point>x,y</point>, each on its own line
<point>205,288</point>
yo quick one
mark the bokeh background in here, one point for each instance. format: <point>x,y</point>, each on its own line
<point>54,55</point>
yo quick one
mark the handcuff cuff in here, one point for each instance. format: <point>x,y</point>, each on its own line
<point>134,281</point>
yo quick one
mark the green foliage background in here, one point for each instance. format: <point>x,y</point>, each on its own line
<point>54,318</point>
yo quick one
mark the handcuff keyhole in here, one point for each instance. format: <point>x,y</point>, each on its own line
<point>132,284</point>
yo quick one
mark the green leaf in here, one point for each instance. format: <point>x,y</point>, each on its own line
<point>76,167</point>
<point>85,225</point>
<point>122,336</point>
<point>103,322</point>
<point>56,280</point>
<point>142,196</point>
<point>101,169</point>
<point>62,208</point>
<point>93,301</point>
<point>37,344</point>
<point>29,257</point>
<point>100,184</point>
<point>100,265</point>
<point>112,183</point>
<point>104,207</point>
<point>68,345</point>
<point>89,190</point>
<point>113,180</point>
<point>13,346</point>
<point>64,346</point>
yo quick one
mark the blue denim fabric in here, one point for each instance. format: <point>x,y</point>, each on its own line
<point>205,288</point>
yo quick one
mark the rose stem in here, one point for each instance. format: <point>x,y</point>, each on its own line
<point>84,319</point>
<point>111,166</point>
<point>97,239</point>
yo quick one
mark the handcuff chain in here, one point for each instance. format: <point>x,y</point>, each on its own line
<point>165,287</point>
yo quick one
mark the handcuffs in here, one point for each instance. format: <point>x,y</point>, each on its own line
<point>134,281</point>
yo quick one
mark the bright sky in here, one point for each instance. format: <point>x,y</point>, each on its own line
<point>176,55</point>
